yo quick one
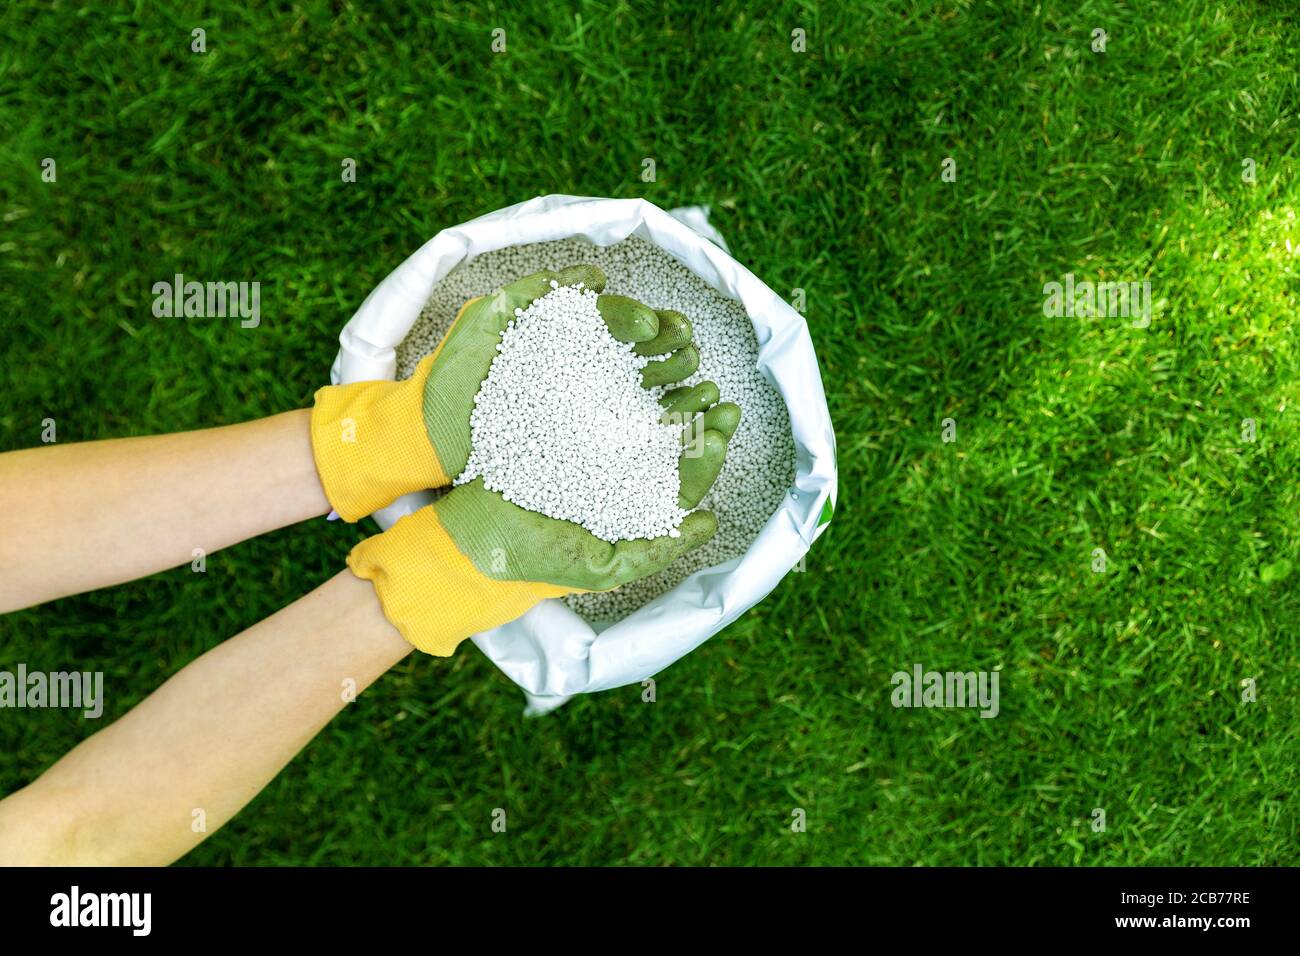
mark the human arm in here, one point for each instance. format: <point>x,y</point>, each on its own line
<point>209,739</point>
<point>93,514</point>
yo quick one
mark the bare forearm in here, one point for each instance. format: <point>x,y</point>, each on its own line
<point>90,515</point>
<point>208,740</point>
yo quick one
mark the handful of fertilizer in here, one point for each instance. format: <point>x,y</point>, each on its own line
<point>760,457</point>
<point>569,423</point>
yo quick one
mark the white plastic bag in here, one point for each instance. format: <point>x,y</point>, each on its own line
<point>551,652</point>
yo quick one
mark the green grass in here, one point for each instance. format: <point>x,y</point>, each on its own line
<point>1118,690</point>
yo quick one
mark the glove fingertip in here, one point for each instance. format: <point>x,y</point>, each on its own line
<point>697,528</point>
<point>590,277</point>
<point>627,319</point>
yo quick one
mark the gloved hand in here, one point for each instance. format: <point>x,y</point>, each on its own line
<point>473,561</point>
<point>376,441</point>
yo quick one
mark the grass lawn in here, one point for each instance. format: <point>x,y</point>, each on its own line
<point>1120,690</point>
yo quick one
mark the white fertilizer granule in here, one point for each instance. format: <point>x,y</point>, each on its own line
<point>759,468</point>
<point>562,426</point>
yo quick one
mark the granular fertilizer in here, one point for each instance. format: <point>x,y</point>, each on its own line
<point>562,426</point>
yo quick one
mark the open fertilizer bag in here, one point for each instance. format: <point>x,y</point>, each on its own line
<point>551,652</point>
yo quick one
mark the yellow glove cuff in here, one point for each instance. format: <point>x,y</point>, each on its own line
<point>431,592</point>
<point>370,443</point>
